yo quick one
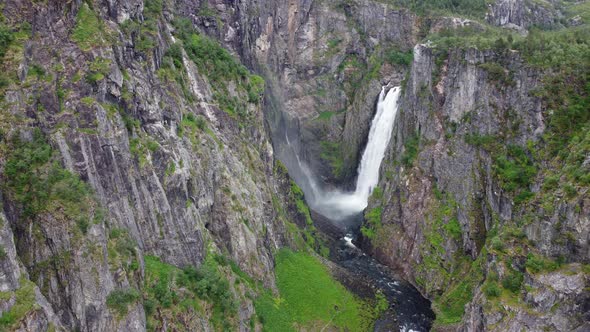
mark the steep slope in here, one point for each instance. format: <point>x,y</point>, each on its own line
<point>483,201</point>
<point>133,145</point>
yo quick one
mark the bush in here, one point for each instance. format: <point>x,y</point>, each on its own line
<point>491,290</point>
<point>120,300</point>
<point>215,61</point>
<point>551,182</point>
<point>255,88</point>
<point>515,169</point>
<point>496,73</point>
<point>513,281</point>
<point>569,190</point>
<point>208,284</point>
<point>399,58</point>
<point>453,228</point>
<point>536,264</point>
<point>411,150</point>
<point>6,37</point>
<point>497,244</point>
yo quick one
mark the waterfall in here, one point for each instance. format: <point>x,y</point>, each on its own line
<point>379,136</point>
<point>338,205</point>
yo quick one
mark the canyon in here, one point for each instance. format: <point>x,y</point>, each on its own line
<point>213,165</point>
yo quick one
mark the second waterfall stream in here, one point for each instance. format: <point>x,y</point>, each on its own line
<point>338,205</point>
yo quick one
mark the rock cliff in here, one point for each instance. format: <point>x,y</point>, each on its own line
<point>140,145</point>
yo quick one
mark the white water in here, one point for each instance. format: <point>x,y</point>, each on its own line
<point>337,205</point>
<point>379,137</point>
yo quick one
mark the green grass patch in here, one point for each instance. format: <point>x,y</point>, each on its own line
<point>326,115</point>
<point>88,32</point>
<point>538,263</point>
<point>25,303</point>
<point>221,67</point>
<point>310,299</point>
<point>474,8</point>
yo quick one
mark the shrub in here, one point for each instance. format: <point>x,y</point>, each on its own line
<point>491,289</point>
<point>496,73</point>
<point>513,281</point>
<point>6,37</point>
<point>515,169</point>
<point>399,58</point>
<point>373,224</point>
<point>454,228</point>
<point>120,300</point>
<point>411,150</point>
<point>25,302</point>
<point>207,283</point>
<point>255,88</point>
<point>551,182</point>
<point>569,190</point>
<point>536,264</point>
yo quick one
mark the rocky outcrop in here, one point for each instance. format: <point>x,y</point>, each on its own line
<point>523,14</point>
<point>22,301</point>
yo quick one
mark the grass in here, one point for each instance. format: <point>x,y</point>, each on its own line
<point>25,303</point>
<point>310,299</point>
<point>515,169</point>
<point>88,32</point>
<point>98,69</point>
<point>302,207</point>
<point>326,115</point>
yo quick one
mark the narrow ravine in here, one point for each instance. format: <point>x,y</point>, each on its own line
<point>339,215</point>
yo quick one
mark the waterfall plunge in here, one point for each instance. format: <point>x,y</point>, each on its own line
<point>338,205</point>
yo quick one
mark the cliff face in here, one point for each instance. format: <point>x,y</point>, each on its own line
<point>165,171</point>
<point>322,61</point>
<point>524,14</point>
<point>467,201</point>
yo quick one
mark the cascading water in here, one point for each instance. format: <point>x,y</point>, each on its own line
<point>412,311</point>
<point>379,136</point>
<point>339,205</point>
